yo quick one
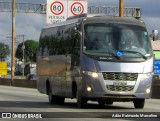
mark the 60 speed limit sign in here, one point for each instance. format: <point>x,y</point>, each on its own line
<point>77,8</point>
<point>57,8</point>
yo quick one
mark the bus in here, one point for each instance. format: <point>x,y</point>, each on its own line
<point>95,58</point>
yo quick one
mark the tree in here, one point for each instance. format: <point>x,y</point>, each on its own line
<point>29,50</point>
<point>4,51</point>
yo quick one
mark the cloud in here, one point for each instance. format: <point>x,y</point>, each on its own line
<point>151,23</point>
<point>5,27</point>
<point>27,24</point>
<point>3,19</point>
<point>30,25</point>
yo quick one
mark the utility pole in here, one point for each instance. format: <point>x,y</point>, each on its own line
<point>23,47</point>
<point>121,8</point>
<point>13,38</point>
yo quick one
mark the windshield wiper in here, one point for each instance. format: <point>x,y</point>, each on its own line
<point>144,57</point>
<point>113,54</point>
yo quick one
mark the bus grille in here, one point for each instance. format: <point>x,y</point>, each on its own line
<point>120,88</point>
<point>120,76</point>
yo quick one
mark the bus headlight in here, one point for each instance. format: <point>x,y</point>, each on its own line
<point>92,74</point>
<point>148,90</point>
<point>89,88</point>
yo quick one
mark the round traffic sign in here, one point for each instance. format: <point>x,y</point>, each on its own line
<point>77,8</point>
<point>57,8</point>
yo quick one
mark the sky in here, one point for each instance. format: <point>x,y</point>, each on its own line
<point>31,24</point>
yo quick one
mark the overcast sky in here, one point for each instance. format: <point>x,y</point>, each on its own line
<point>31,24</point>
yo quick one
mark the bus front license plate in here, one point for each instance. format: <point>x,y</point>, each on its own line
<point>119,83</point>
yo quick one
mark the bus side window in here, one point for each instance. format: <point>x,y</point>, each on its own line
<point>45,53</point>
<point>76,44</point>
<point>39,52</point>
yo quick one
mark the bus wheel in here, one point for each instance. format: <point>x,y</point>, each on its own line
<point>101,102</point>
<point>81,102</point>
<point>109,102</point>
<point>60,100</point>
<point>50,96</point>
<point>139,103</point>
<point>54,99</point>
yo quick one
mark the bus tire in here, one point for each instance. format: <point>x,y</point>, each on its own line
<point>109,102</point>
<point>54,99</point>
<point>74,89</point>
<point>50,96</point>
<point>60,100</point>
<point>81,102</point>
<point>101,102</point>
<point>139,103</point>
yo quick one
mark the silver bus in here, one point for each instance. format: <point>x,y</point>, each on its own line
<point>95,58</point>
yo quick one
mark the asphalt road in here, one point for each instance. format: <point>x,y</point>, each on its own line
<point>26,102</point>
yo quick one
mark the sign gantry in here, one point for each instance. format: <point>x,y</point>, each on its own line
<point>40,8</point>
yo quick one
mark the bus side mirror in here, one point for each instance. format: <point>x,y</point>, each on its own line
<point>74,31</point>
<point>155,35</point>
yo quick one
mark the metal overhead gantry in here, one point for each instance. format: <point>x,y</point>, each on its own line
<point>40,8</point>
<point>23,7</point>
<point>114,10</point>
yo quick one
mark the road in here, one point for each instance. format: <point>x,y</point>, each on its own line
<point>27,100</point>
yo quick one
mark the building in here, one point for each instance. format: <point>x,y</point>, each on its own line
<point>156,45</point>
<point>156,48</point>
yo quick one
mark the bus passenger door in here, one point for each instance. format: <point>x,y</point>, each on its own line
<point>72,72</point>
<point>68,76</point>
<point>72,65</point>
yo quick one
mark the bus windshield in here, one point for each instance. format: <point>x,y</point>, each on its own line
<point>101,39</point>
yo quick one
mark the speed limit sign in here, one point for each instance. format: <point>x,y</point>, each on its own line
<point>56,11</point>
<point>57,8</point>
<point>77,8</point>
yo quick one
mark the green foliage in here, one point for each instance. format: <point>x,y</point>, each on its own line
<point>4,51</point>
<point>29,50</point>
<point>157,54</point>
<point>18,73</point>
